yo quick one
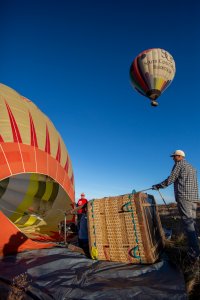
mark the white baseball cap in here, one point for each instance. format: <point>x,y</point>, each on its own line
<point>178,152</point>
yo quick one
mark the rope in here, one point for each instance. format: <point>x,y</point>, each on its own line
<point>21,214</point>
<point>136,248</point>
<point>94,230</point>
<point>13,211</point>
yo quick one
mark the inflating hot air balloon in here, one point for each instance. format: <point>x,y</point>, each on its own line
<point>36,176</point>
<point>151,73</point>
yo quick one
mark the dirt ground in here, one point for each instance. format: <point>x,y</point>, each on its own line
<point>176,248</point>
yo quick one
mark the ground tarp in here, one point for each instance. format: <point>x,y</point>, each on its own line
<point>59,273</point>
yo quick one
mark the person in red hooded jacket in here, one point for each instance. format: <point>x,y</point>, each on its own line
<point>82,201</point>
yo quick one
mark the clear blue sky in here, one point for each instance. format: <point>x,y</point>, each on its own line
<point>72,59</point>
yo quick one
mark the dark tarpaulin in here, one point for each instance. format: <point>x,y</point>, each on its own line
<point>59,273</point>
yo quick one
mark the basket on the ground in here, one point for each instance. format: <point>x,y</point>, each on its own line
<point>125,229</point>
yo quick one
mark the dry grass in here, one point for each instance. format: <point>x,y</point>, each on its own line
<point>177,253</point>
<point>176,249</point>
<point>19,286</point>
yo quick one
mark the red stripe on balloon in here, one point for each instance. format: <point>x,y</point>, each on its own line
<point>138,77</point>
<point>15,129</point>
<point>72,179</point>
<point>47,144</point>
<point>33,132</point>
<point>58,155</point>
<point>67,165</point>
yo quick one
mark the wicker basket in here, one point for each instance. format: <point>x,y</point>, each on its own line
<point>125,229</point>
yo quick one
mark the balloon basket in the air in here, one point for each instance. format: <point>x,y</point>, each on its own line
<point>154,103</point>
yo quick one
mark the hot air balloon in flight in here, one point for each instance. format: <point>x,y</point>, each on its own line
<point>151,72</point>
<point>36,176</point>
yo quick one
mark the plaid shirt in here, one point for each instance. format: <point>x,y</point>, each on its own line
<point>184,177</point>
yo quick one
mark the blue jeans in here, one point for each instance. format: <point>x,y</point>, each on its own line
<point>187,210</point>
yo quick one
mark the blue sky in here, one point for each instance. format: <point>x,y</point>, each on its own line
<point>72,59</point>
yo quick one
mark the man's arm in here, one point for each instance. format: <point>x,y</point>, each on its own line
<point>171,179</point>
<point>74,211</point>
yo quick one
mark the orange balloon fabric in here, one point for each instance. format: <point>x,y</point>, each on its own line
<point>36,175</point>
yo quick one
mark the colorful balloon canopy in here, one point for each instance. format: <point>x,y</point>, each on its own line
<point>36,176</point>
<point>151,72</point>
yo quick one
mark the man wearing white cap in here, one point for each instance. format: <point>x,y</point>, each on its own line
<point>184,178</point>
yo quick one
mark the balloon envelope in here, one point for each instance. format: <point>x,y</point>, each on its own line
<point>36,176</point>
<point>151,72</point>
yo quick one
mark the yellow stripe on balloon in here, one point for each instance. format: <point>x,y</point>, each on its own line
<point>48,191</point>
<point>158,83</point>
<point>29,196</point>
<point>16,221</point>
<point>30,221</point>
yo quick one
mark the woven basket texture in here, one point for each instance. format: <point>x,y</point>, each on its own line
<point>125,228</point>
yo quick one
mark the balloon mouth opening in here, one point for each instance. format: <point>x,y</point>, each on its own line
<point>153,95</point>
